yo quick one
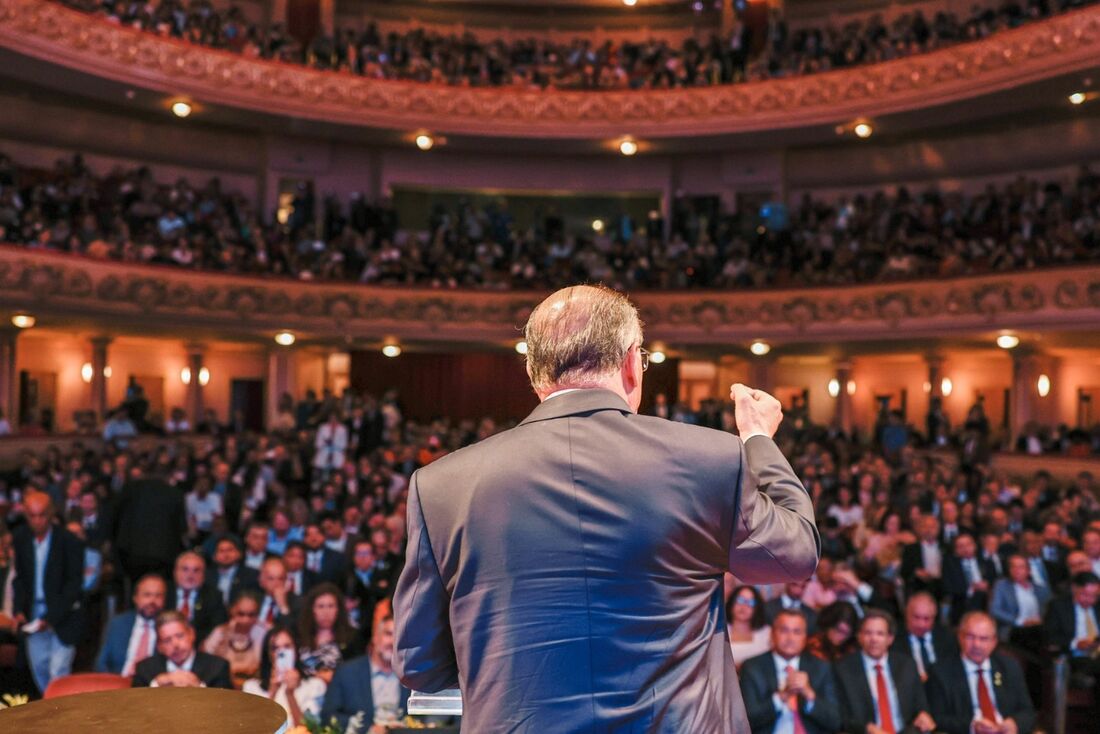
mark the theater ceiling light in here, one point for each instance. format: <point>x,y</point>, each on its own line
<point>1008,341</point>
<point>521,347</point>
<point>285,338</point>
<point>628,146</point>
<point>1078,98</point>
<point>1043,386</point>
<point>425,141</point>
<point>181,109</point>
<point>630,3</point>
<point>391,350</point>
<point>22,321</point>
<point>760,348</point>
<point>657,357</point>
<point>863,130</point>
<point>597,225</point>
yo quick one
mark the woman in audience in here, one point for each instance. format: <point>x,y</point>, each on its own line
<point>241,639</point>
<point>282,680</point>
<point>835,636</point>
<point>884,546</point>
<point>326,636</point>
<point>847,513</point>
<point>749,632</point>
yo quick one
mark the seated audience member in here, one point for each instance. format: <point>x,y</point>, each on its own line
<point>922,637</point>
<point>367,585</point>
<point>965,582</point>
<point>255,545</point>
<point>282,532</point>
<point>324,563</point>
<point>981,691</point>
<point>788,690</point>
<point>325,634</point>
<point>791,600</point>
<point>8,623</point>
<point>367,683</point>
<point>241,639</point>
<point>1072,625</point>
<point>177,663</point>
<point>836,632</point>
<point>836,582</point>
<point>880,691</point>
<point>1044,573</point>
<point>922,562</point>
<point>278,604</point>
<point>281,678</point>
<point>1018,605</point>
<point>191,596</point>
<point>299,580</point>
<point>132,635</point>
<point>749,633</point>
<point>992,555</point>
<point>231,575</point>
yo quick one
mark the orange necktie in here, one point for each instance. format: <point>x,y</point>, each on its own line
<point>985,701</point>
<point>885,713</point>
<point>185,607</point>
<point>142,651</point>
<point>792,704</point>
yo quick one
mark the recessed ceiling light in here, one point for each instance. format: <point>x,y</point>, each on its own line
<point>760,348</point>
<point>1008,341</point>
<point>628,146</point>
<point>1077,98</point>
<point>863,130</point>
<point>285,338</point>
<point>181,109</point>
<point>425,141</point>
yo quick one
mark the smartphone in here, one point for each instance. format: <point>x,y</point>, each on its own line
<point>284,659</point>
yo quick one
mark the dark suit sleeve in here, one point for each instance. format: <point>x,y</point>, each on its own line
<point>424,655</point>
<point>757,693</point>
<point>1017,701</point>
<point>826,709</point>
<point>852,721</point>
<point>940,684</point>
<point>339,700</point>
<point>144,673</point>
<point>1057,633</point>
<point>219,677</point>
<point>775,538</point>
<point>106,661</point>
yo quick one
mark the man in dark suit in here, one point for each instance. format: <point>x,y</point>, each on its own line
<point>980,692</point>
<point>177,662</point>
<point>966,579</point>
<point>326,564</point>
<point>230,575</point>
<point>352,688</point>
<point>48,590</point>
<point>1072,626</point>
<point>132,636</point>
<point>805,700</point>
<point>880,691</point>
<point>299,579</point>
<point>791,599</point>
<point>559,552</point>
<point>190,595</point>
<point>278,605</point>
<point>149,523</point>
<point>366,583</point>
<point>1046,574</point>
<point>922,637</point>
<point>922,562</point>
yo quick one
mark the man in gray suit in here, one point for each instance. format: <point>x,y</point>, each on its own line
<point>567,574</point>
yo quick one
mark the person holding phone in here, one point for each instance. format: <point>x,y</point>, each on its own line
<point>281,678</point>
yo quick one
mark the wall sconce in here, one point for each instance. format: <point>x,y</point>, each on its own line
<point>204,376</point>
<point>834,387</point>
<point>851,387</point>
<point>521,347</point>
<point>1043,386</point>
<point>86,372</point>
<point>947,386</point>
<point>391,351</point>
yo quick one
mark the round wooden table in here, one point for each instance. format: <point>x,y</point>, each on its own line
<point>144,710</point>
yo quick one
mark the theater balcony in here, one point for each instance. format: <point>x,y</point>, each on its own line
<point>1000,75</point>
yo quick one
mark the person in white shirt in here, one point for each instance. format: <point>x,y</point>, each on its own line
<point>282,681</point>
<point>203,508</point>
<point>330,445</point>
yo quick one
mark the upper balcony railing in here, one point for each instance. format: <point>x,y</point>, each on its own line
<point>47,31</point>
<point>82,292</point>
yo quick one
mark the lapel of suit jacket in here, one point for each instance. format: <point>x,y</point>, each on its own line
<point>864,686</point>
<point>577,402</point>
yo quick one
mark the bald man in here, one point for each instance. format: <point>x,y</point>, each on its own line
<point>567,574</point>
<point>49,577</point>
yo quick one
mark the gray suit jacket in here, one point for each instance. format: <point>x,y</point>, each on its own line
<point>567,574</point>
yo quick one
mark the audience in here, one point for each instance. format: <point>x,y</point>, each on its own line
<point>177,663</point>
<point>131,636</point>
<point>282,679</point>
<point>241,639</point>
<point>534,63</point>
<point>324,633</point>
<point>748,629</point>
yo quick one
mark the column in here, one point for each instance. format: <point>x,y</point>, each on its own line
<point>328,17</point>
<point>9,396</point>
<point>729,15</point>
<point>1026,404</point>
<point>281,378</point>
<point>762,373</point>
<point>935,375</point>
<point>99,379</point>
<point>195,355</point>
<point>842,418</point>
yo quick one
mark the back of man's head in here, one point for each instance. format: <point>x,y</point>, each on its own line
<point>578,336</point>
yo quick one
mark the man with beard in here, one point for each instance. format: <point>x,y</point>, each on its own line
<point>368,684</point>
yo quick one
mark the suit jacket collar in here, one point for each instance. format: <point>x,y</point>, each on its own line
<point>577,402</point>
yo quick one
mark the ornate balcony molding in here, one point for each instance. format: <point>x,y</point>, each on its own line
<point>51,32</point>
<point>147,299</point>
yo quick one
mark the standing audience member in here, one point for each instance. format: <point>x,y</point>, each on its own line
<point>49,595</point>
<point>149,524</point>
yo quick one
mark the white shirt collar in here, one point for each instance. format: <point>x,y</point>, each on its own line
<point>869,662</point>
<point>782,663</point>
<point>561,392</point>
<point>972,667</point>
<point>188,664</point>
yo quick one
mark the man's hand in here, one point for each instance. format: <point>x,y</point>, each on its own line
<point>756,412</point>
<point>798,683</point>
<point>924,722</point>
<point>875,729</point>
<point>178,679</point>
<point>985,726</point>
<point>1008,726</point>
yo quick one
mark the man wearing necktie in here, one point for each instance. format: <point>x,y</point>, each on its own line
<point>788,691</point>
<point>966,586</point>
<point>981,691</point>
<point>1072,625</point>
<point>199,603</point>
<point>791,599</point>
<point>880,690</point>
<point>922,638</point>
<point>131,636</point>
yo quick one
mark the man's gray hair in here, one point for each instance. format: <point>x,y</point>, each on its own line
<point>579,336</point>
